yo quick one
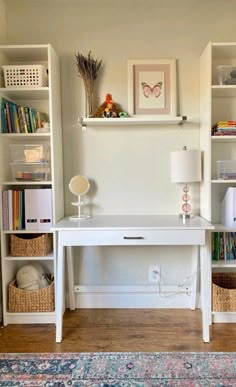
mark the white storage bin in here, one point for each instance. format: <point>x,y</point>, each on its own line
<point>226,75</point>
<point>25,76</point>
<point>31,171</point>
<point>29,153</point>
<point>226,169</point>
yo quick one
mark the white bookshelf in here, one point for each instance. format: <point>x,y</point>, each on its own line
<point>45,99</point>
<point>217,103</point>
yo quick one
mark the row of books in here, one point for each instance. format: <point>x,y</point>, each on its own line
<point>20,119</point>
<point>224,128</point>
<point>223,246</point>
<point>28,209</point>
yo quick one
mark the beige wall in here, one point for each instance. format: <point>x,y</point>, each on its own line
<point>2,22</point>
<point>128,167</point>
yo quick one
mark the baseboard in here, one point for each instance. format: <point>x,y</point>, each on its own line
<point>133,297</point>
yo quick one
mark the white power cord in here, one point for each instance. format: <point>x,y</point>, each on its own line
<point>180,285</point>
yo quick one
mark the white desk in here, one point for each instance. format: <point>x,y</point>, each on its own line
<point>132,230</point>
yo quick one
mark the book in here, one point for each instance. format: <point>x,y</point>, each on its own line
<point>16,119</point>
<point>223,246</point>
<point>5,216</point>
<point>10,209</point>
<point>20,119</point>
<point>24,119</point>
<point>9,129</point>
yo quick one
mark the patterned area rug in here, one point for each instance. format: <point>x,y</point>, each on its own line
<point>119,369</point>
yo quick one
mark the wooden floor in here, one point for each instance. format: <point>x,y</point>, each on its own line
<point>121,330</point>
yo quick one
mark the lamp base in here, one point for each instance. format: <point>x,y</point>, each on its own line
<point>185,216</point>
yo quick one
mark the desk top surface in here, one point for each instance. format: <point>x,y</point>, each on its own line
<point>122,222</point>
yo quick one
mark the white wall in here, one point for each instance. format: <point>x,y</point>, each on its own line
<point>128,167</point>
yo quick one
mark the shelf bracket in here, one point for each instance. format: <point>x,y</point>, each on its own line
<point>184,118</point>
<point>83,125</point>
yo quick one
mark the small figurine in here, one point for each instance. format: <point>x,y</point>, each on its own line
<point>108,108</point>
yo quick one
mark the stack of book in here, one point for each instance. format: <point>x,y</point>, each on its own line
<point>28,209</point>
<point>223,246</point>
<point>20,119</point>
<point>224,128</point>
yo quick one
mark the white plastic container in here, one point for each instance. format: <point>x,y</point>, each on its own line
<point>30,162</point>
<point>30,171</point>
<point>25,76</point>
<point>226,169</point>
<point>226,75</point>
<point>29,153</point>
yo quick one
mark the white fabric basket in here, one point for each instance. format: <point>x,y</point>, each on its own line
<point>25,76</point>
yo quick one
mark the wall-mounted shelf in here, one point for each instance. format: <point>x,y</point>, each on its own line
<point>131,121</point>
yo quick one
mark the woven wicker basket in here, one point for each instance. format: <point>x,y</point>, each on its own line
<point>28,245</point>
<point>41,300</point>
<point>224,292</point>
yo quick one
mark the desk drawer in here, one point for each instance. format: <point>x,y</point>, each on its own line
<point>131,237</point>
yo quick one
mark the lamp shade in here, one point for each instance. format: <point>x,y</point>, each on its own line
<point>185,166</point>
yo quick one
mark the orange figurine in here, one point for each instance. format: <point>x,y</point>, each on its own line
<point>108,108</point>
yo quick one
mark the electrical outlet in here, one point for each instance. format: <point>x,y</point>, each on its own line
<point>155,274</point>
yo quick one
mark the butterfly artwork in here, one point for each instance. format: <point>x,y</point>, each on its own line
<point>151,92</point>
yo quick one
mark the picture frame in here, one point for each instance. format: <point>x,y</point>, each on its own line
<point>152,87</point>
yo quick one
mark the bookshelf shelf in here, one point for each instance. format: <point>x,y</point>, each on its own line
<point>25,93</point>
<point>25,232</point>
<point>27,318</point>
<point>223,264</point>
<point>223,138</point>
<point>27,183</point>
<point>215,181</point>
<point>223,228</point>
<point>29,102</point>
<point>26,135</point>
<point>223,91</point>
<point>46,258</point>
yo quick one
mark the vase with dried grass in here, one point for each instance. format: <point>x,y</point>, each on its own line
<point>88,70</point>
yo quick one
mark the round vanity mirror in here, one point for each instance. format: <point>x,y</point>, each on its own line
<point>79,185</point>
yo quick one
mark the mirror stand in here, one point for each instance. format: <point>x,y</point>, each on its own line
<point>79,204</point>
<point>79,185</point>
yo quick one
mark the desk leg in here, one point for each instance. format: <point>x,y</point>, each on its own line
<point>60,293</point>
<point>205,292</point>
<point>70,276</point>
<point>194,278</point>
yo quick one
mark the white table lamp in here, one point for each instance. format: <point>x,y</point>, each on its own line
<point>186,168</point>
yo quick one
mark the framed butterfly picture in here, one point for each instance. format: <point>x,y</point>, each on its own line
<point>152,87</point>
